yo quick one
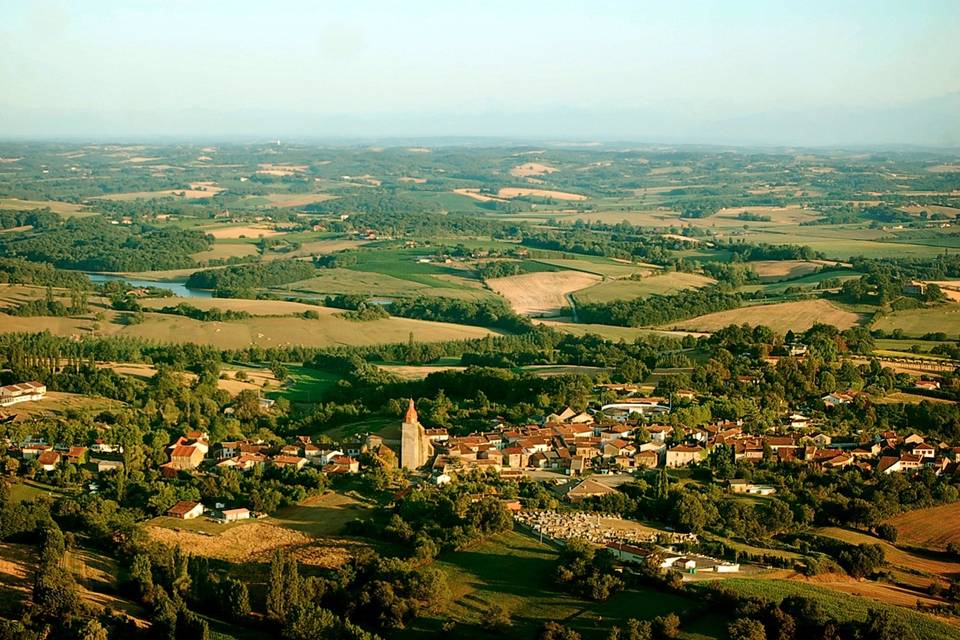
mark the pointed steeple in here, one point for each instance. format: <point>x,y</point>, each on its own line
<point>411,417</point>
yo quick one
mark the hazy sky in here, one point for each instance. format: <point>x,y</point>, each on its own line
<point>615,69</point>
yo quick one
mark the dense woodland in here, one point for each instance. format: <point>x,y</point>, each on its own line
<point>93,244</point>
<point>243,281</point>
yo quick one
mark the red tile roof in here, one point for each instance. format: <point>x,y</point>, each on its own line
<point>183,507</point>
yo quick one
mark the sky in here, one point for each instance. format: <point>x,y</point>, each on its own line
<point>764,71</point>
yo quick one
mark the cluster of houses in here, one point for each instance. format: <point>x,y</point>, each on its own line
<point>193,451</point>
<point>49,457</point>
<point>914,452</point>
<point>573,443</point>
<point>568,442</point>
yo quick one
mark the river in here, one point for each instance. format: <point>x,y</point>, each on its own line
<point>179,288</point>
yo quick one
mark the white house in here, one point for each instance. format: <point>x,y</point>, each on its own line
<point>232,515</point>
<point>186,510</point>
<point>100,446</point>
<point>22,392</point>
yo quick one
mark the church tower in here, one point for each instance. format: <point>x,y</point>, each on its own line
<point>415,448</point>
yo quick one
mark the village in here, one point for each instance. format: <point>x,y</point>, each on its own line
<point>580,454</point>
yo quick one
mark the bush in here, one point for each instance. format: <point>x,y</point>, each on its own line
<point>886,532</point>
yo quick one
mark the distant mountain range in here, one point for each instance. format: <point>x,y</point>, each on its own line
<point>932,122</point>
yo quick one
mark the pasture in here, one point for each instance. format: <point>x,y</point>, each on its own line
<point>902,397</point>
<point>347,281</point>
<point>663,284</point>
<point>285,199</point>
<point>524,192</point>
<point>532,169</point>
<point>60,403</point>
<point>931,528</point>
<point>261,330</point>
<point>242,231</point>
<point>95,574</point>
<point>307,384</point>
<point>329,330</point>
<point>934,568</point>
<point>65,209</point>
<point>17,562</point>
<point>838,605</point>
<point>774,270</point>
<point>543,293</point>
<point>280,169</point>
<point>413,372</point>
<point>225,251</point>
<point>811,281</point>
<point>310,531</point>
<point>29,490</point>
<point>415,265</point>
<point>185,194</point>
<point>321,516</point>
<point>253,307</point>
<point>791,214</point>
<point>254,379</point>
<point>917,322</point>
<point>474,194</point>
<point>840,243</point>
<point>606,267</point>
<point>516,572</point>
<point>609,331</point>
<point>781,317</point>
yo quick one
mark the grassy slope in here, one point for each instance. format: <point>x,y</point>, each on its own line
<point>838,605</point>
<point>798,316</point>
<point>309,384</point>
<point>517,572</point>
<point>916,322</point>
<point>606,267</point>
<point>931,528</point>
<point>263,331</point>
<point>664,284</point>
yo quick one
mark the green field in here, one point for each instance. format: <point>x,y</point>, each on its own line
<point>65,209</point>
<point>346,281</point>
<point>601,266</point>
<point>781,317</point>
<point>836,247</point>
<point>325,515</point>
<point>748,548</point>
<point>663,284</point>
<point>841,606</point>
<point>321,516</point>
<point>808,282</point>
<point>369,283</point>
<point>606,331</point>
<point>309,384</point>
<point>28,490</point>
<point>516,571</point>
<point>917,322</point>
<point>327,331</point>
<point>388,428</point>
<point>547,370</point>
<point>197,525</point>
<point>906,344</point>
<point>403,264</point>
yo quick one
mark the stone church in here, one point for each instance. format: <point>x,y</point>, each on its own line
<point>415,448</point>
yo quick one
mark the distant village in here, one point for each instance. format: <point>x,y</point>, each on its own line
<point>572,449</point>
